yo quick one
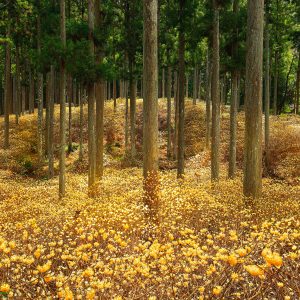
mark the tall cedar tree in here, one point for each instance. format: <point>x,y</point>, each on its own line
<point>253,100</point>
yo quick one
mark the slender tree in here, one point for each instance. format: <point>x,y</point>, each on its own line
<point>234,100</point>
<point>91,102</point>
<point>181,71</point>
<point>150,107</point>
<point>7,91</point>
<point>215,96</point>
<point>100,97</point>
<point>169,108</point>
<point>253,100</point>
<point>267,91</point>
<point>62,166</point>
<point>40,97</point>
<point>208,101</point>
<point>51,125</point>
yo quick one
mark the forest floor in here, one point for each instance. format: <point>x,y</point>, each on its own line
<point>207,245</point>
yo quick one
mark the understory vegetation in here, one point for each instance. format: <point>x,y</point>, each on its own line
<point>206,244</point>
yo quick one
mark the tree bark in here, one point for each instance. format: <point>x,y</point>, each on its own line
<point>195,85</point>
<point>17,86</point>
<point>62,90</point>
<point>7,91</point>
<point>132,115</point>
<point>70,99</point>
<point>115,93</point>
<point>150,106</point>
<point>163,83</point>
<point>51,125</point>
<point>275,84</point>
<point>181,71</point>
<point>31,91</point>
<point>91,103</point>
<point>267,94</point>
<point>100,98</point>
<point>234,100</point>
<point>126,118</point>
<point>169,110</point>
<point>208,101</point>
<point>81,101</point>
<point>187,86</point>
<point>215,95</point>
<point>253,101</point>
<point>298,85</point>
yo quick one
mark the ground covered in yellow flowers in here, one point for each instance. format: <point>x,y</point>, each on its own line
<point>207,245</point>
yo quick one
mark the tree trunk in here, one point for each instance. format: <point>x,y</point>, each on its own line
<point>298,85</point>
<point>132,115</point>
<point>70,99</point>
<point>267,94</point>
<point>187,86</point>
<point>234,100</point>
<point>208,100</point>
<point>31,91</point>
<point>215,95</point>
<point>233,125</point>
<point>150,106</point>
<point>81,100</point>
<point>169,110</point>
<point>195,86</point>
<point>51,125</point>
<point>163,83</point>
<point>181,72</point>
<point>175,144</point>
<point>199,85</point>
<point>47,116</point>
<point>91,103</point>
<point>275,84</point>
<point>7,91</point>
<point>62,81</point>
<point>126,118</point>
<point>100,98</point>
<point>17,86</point>
<point>253,100</point>
<point>115,94</point>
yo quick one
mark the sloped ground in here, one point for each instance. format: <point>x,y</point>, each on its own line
<point>207,245</point>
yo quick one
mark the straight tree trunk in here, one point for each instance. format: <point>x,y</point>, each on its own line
<point>115,93</point>
<point>233,125</point>
<point>81,101</point>
<point>175,144</point>
<point>126,118</point>
<point>215,95</point>
<point>91,104</point>
<point>132,115</point>
<point>31,91</point>
<point>70,99</point>
<point>199,85</point>
<point>267,95</point>
<point>163,83</point>
<point>150,106</point>
<point>47,116</point>
<point>17,86</point>
<point>234,101</point>
<point>187,87</point>
<point>253,101</point>
<point>181,71</point>
<point>208,101</point>
<point>100,97</point>
<point>51,125</point>
<point>298,85</point>
<point>7,91</point>
<point>40,99</point>
<point>62,81</point>
<point>195,86</point>
<point>169,110</point>
<point>275,84</point>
